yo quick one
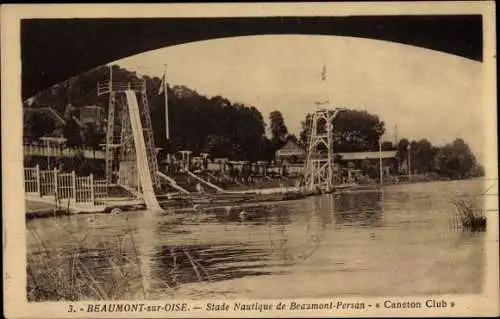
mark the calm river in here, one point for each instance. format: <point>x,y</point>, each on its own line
<point>397,241</point>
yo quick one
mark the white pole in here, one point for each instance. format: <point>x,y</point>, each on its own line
<point>38,190</point>
<point>380,161</point>
<point>73,184</point>
<point>48,155</point>
<point>409,162</point>
<point>167,127</point>
<point>55,186</point>
<point>91,177</point>
<point>110,84</point>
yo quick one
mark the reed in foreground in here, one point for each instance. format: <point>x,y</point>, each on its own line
<point>92,268</point>
<point>469,215</point>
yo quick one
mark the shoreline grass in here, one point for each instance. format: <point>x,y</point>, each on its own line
<point>469,216</point>
<point>91,268</point>
<point>469,213</point>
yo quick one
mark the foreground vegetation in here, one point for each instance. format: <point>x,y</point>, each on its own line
<point>469,213</point>
<point>469,217</point>
<point>91,268</point>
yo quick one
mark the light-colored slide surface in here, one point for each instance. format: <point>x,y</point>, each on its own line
<point>140,151</point>
<point>217,188</point>
<point>172,183</point>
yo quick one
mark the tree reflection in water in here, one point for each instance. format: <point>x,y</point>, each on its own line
<point>155,253</point>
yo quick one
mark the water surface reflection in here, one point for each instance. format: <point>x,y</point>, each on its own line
<point>395,241</point>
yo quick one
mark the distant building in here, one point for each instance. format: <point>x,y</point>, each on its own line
<point>291,153</point>
<point>91,114</point>
<point>36,114</point>
<point>29,112</point>
<point>294,155</point>
<point>46,122</point>
<point>359,156</point>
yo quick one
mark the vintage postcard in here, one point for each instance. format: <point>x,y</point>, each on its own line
<point>250,160</point>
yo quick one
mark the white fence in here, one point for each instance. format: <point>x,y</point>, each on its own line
<point>65,186</point>
<point>48,183</point>
<point>32,180</point>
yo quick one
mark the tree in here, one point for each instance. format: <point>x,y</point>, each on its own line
<point>73,134</point>
<point>354,131</point>
<point>455,160</point>
<point>423,154</point>
<point>305,132</point>
<point>477,171</point>
<point>38,125</point>
<point>357,131</point>
<point>240,128</point>
<point>402,149</point>
<point>216,146</point>
<point>277,128</point>
<point>93,137</point>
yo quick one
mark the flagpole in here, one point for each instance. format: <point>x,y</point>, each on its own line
<point>380,160</point>
<point>167,127</point>
<point>409,162</point>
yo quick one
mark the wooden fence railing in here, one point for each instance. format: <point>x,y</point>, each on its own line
<point>65,186</point>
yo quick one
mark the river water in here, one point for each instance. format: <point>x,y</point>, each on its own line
<point>397,241</point>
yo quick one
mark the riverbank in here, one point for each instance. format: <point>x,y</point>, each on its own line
<point>36,210</point>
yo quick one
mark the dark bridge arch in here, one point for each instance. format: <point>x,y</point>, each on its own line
<point>53,50</point>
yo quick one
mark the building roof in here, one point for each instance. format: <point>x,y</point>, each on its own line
<point>367,155</point>
<point>51,112</point>
<point>291,148</point>
<point>29,111</point>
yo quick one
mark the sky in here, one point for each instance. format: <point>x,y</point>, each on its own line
<point>425,93</point>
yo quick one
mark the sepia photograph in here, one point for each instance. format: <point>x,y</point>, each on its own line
<point>250,160</point>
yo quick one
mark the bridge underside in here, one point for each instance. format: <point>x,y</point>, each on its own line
<point>61,41</point>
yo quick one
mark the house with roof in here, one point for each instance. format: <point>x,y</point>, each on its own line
<point>91,114</point>
<point>291,153</point>
<point>41,121</point>
<point>45,122</point>
<point>294,155</point>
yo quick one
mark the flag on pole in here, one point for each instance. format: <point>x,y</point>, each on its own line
<point>163,90</point>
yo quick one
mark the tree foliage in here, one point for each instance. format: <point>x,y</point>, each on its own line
<point>354,131</point>
<point>455,160</point>
<point>225,128</point>
<point>196,122</point>
<point>278,129</point>
<point>39,124</point>
<point>423,154</point>
<point>402,149</point>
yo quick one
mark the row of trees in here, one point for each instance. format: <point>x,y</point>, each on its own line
<point>353,130</point>
<point>357,131</point>
<point>229,129</point>
<point>453,160</point>
<point>196,122</point>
